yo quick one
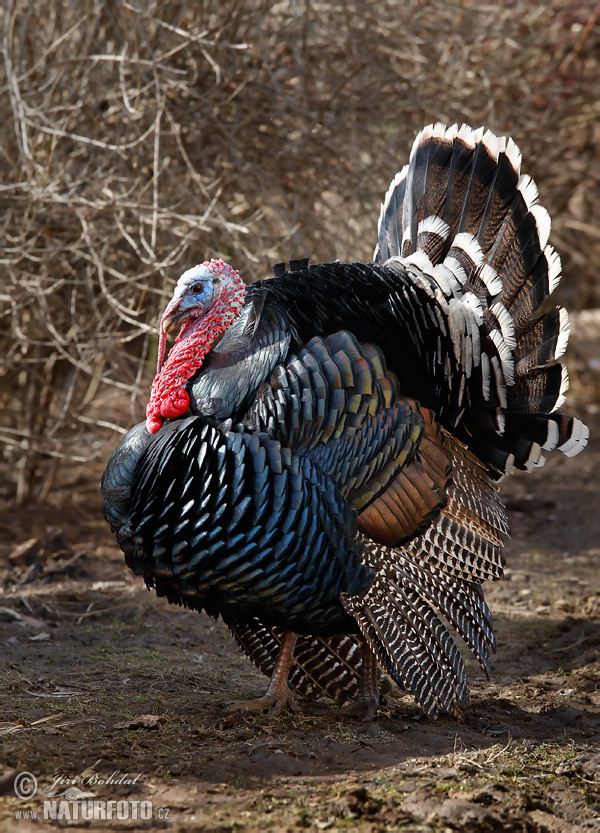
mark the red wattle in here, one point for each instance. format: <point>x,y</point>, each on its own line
<point>175,405</point>
<point>153,424</point>
<point>169,399</point>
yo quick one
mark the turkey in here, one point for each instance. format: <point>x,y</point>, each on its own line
<point>324,477</point>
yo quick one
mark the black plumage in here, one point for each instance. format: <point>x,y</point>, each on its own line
<point>335,476</point>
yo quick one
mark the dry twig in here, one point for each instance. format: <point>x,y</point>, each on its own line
<point>139,138</point>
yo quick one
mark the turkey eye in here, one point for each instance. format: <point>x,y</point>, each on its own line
<point>198,289</point>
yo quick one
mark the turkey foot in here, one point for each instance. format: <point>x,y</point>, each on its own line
<point>367,702</point>
<point>278,695</point>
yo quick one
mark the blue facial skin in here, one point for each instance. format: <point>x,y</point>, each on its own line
<point>196,297</point>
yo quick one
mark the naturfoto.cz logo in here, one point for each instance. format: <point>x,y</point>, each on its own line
<point>75,804</point>
<point>96,810</point>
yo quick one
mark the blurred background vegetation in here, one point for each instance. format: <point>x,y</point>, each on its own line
<point>138,138</point>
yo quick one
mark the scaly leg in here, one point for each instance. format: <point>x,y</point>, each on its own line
<point>278,695</point>
<point>367,702</point>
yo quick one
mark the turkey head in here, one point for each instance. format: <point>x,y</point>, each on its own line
<point>206,300</point>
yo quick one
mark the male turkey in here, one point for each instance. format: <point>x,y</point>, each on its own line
<point>322,503</point>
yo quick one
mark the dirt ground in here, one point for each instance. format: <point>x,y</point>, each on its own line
<point>104,682</point>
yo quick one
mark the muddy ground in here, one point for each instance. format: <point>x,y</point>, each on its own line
<point>101,677</point>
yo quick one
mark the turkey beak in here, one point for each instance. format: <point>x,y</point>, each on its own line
<point>173,315</point>
<point>174,319</point>
<point>169,322</point>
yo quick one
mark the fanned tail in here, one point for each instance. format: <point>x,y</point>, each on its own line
<point>465,221</point>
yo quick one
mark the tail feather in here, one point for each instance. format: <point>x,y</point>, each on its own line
<point>460,602</point>
<point>464,221</point>
<point>555,431</point>
<point>542,341</point>
<point>390,218</point>
<point>525,299</point>
<point>408,638</point>
<point>517,248</point>
<point>542,391</point>
<point>489,177</point>
<point>463,604</point>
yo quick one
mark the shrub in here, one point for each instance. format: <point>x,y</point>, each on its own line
<point>139,138</point>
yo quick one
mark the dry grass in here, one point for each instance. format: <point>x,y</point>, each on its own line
<point>139,138</point>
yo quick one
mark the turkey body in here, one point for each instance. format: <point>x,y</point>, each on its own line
<point>334,475</point>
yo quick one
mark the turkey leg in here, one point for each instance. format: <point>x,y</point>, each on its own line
<point>367,702</point>
<point>278,695</point>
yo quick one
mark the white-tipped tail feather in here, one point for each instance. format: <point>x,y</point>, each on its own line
<point>462,213</point>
